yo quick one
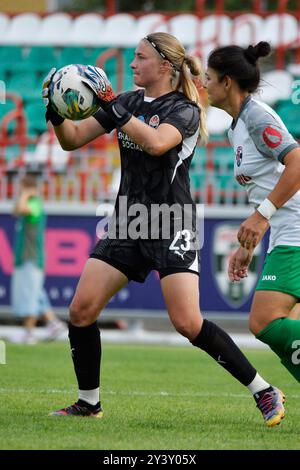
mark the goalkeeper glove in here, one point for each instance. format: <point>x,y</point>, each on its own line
<point>97,80</point>
<point>50,115</point>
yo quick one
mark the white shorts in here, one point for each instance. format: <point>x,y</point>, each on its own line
<point>28,296</point>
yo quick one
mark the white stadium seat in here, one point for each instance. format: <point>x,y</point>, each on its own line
<point>4,23</point>
<point>294,69</point>
<point>280,30</point>
<point>218,121</point>
<point>186,28</point>
<point>151,23</point>
<point>275,85</point>
<point>119,30</point>
<point>215,30</point>
<point>247,29</point>
<point>55,30</point>
<point>86,30</point>
<point>22,29</point>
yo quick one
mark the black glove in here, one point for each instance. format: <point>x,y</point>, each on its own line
<point>50,115</point>
<point>116,112</point>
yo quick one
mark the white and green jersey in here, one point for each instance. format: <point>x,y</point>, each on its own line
<point>260,141</point>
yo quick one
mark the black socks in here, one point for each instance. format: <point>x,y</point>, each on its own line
<point>86,354</point>
<point>218,344</point>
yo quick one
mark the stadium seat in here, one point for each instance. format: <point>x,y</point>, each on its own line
<point>218,121</point>
<point>275,85</point>
<point>5,109</point>
<point>199,159</point>
<point>119,31</point>
<point>22,29</point>
<point>147,24</point>
<point>223,158</point>
<point>4,24</point>
<point>290,114</point>
<point>224,181</point>
<point>128,55</point>
<point>197,180</point>
<point>55,30</point>
<point>35,113</point>
<point>246,29</point>
<point>11,58</point>
<point>280,30</point>
<point>86,30</point>
<point>41,59</point>
<point>72,54</point>
<point>186,28</point>
<point>215,30</point>
<point>227,190</point>
<point>128,82</point>
<point>11,153</point>
<point>294,69</point>
<point>26,85</point>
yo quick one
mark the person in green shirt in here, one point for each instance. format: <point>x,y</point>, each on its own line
<point>28,297</point>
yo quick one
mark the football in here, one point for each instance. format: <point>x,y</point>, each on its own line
<point>70,94</point>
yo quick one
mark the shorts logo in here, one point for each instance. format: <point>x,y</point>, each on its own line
<point>269,277</point>
<point>272,137</point>
<point>239,155</point>
<point>154,121</point>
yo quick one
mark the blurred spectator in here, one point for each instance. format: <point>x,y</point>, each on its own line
<point>28,296</point>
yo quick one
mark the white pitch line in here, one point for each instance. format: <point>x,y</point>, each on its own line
<point>137,393</point>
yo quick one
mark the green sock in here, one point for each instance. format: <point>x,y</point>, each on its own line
<point>283,337</point>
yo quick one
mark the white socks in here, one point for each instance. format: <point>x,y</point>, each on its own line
<point>257,384</point>
<point>90,396</point>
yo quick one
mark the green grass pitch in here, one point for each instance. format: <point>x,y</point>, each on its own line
<point>154,397</point>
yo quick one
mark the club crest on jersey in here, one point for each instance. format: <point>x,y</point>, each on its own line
<point>154,121</point>
<point>272,137</point>
<point>233,294</point>
<point>239,155</point>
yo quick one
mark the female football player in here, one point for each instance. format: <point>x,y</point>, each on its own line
<point>157,128</point>
<point>269,168</point>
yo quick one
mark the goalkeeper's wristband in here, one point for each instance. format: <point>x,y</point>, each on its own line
<point>267,209</point>
<point>53,117</point>
<point>117,113</point>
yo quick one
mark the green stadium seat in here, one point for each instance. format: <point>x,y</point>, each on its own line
<point>290,114</point>
<point>11,152</point>
<point>228,191</point>
<point>41,59</point>
<point>128,82</point>
<point>25,84</point>
<point>225,181</point>
<point>35,113</point>
<point>197,180</point>
<point>223,158</point>
<point>5,109</point>
<point>11,58</point>
<point>199,159</point>
<point>128,54</point>
<point>72,55</point>
<point>92,54</point>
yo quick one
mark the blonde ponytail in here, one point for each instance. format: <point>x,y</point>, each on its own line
<point>187,71</point>
<point>191,73</point>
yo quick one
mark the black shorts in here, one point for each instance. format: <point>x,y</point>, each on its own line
<point>136,258</point>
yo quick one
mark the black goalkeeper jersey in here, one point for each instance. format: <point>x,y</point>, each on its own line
<point>164,179</point>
